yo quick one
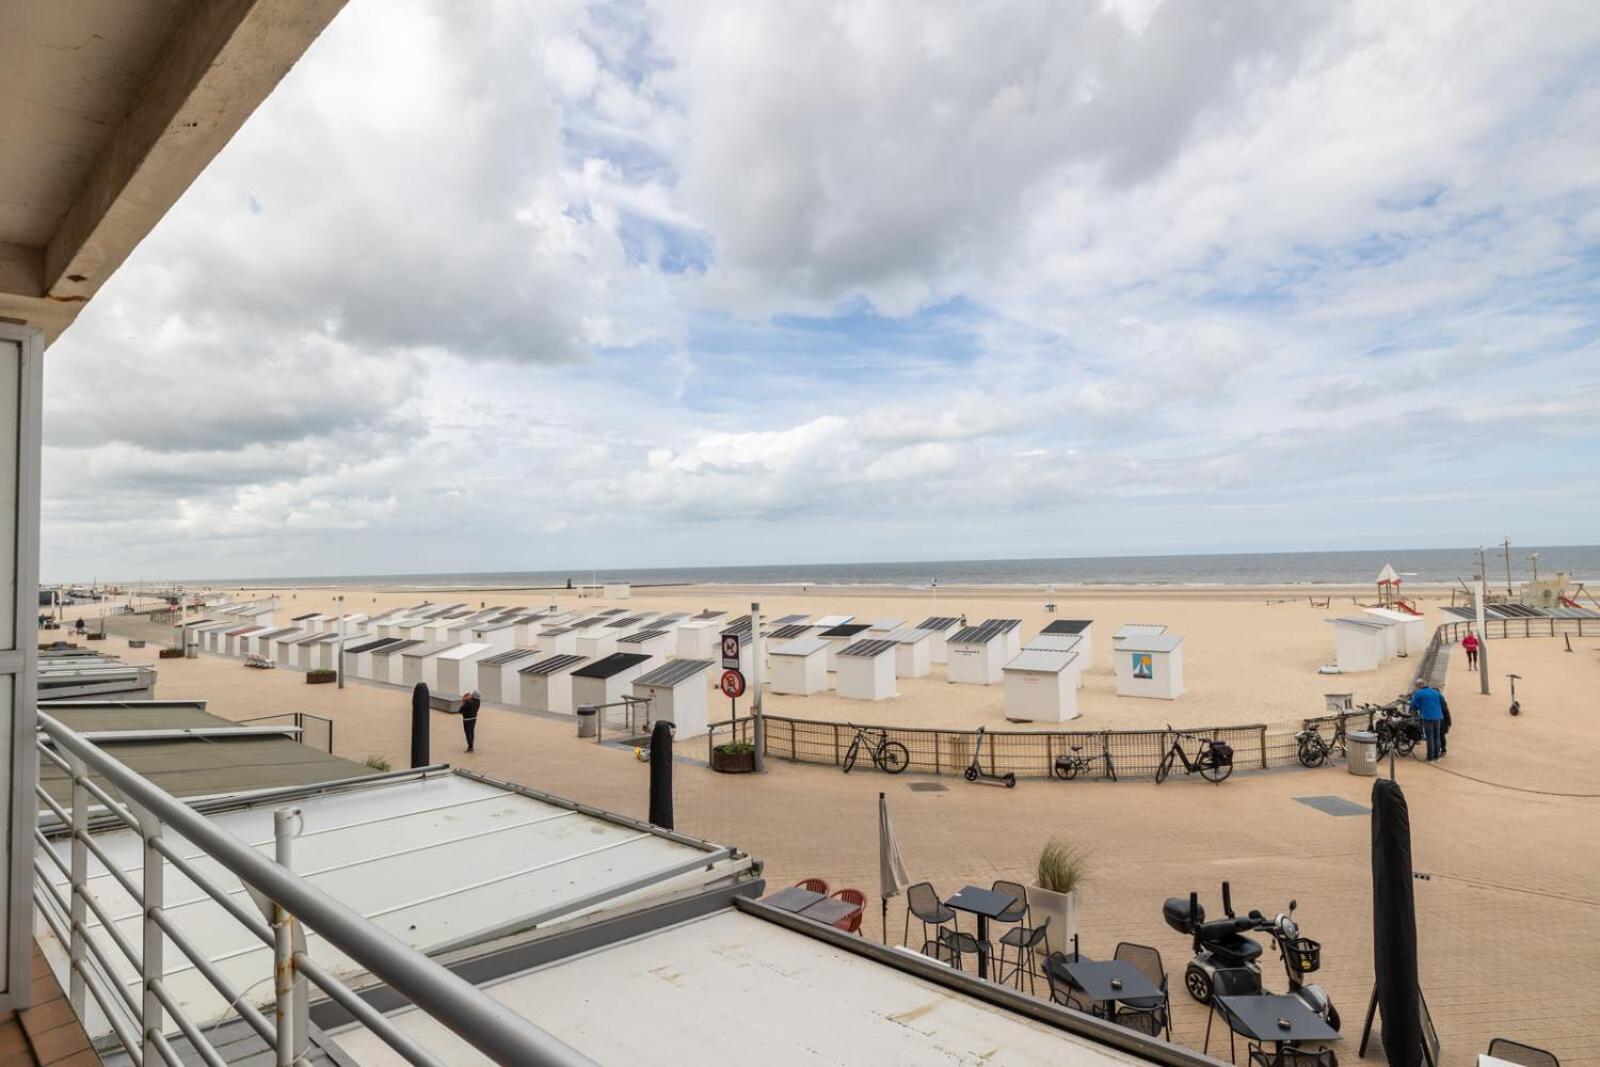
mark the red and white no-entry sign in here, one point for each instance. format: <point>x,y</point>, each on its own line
<point>732,684</point>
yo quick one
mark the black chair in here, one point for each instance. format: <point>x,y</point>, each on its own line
<point>1516,1052</point>
<point>940,951</point>
<point>1025,939</point>
<point>1061,991</point>
<point>923,902</point>
<point>963,945</point>
<point>1017,913</point>
<point>1148,1015</point>
<point>1292,1057</point>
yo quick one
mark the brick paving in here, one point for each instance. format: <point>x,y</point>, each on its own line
<point>1505,919</point>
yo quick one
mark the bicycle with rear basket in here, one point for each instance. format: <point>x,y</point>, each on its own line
<point>1214,760</point>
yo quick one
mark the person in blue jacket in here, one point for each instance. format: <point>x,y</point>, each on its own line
<point>1428,703</point>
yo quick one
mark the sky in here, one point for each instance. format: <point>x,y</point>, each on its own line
<point>509,286</point>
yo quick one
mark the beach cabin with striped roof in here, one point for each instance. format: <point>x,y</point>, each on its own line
<point>1083,629</point>
<point>656,644</point>
<point>798,667</point>
<point>1040,687</point>
<point>939,628</point>
<point>866,670</point>
<point>606,681</point>
<point>912,651</point>
<point>420,663</point>
<point>841,637</point>
<point>358,655</point>
<point>498,680</point>
<point>388,665</point>
<point>677,692</point>
<point>545,684</point>
<point>978,654</point>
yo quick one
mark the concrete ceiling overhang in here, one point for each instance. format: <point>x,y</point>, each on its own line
<point>109,109</point>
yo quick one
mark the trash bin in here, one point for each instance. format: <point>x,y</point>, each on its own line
<point>1363,757</point>
<point>589,723</point>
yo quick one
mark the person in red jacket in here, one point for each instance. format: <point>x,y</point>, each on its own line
<point>1470,643</point>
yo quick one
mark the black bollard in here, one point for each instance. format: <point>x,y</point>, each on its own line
<point>661,775</point>
<point>420,714</point>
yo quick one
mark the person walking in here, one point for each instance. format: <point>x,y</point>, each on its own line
<point>1428,703</point>
<point>1444,724</point>
<point>1470,644</point>
<point>469,718</point>
<point>80,626</point>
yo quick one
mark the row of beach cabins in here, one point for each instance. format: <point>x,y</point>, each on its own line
<point>555,660</point>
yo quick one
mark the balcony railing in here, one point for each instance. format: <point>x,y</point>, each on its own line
<point>146,1017</point>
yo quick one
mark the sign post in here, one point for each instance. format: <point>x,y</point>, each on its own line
<point>760,725</point>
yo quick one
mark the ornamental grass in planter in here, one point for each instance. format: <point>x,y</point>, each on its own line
<point>735,757</point>
<point>321,676</point>
<point>1054,892</point>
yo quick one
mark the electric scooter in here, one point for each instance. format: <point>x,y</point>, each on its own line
<point>1225,961</point>
<point>976,773</point>
<point>1516,705</point>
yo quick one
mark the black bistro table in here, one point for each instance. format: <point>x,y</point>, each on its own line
<point>1271,1017</point>
<point>1110,981</point>
<point>986,904</point>
<point>812,905</point>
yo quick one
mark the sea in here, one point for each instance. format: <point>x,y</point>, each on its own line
<point>1429,566</point>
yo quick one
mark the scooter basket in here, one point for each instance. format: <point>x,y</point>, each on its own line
<point>1305,954</point>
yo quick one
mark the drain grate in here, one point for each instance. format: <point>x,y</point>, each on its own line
<point>1339,806</point>
<point>927,787</point>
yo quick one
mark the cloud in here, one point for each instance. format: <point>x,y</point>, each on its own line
<point>511,286</point>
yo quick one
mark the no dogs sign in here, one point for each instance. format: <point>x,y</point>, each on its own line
<point>732,684</point>
<point>730,651</point>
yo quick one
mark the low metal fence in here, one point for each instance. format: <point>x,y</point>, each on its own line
<point>1528,627</point>
<point>80,896</point>
<point>315,731</point>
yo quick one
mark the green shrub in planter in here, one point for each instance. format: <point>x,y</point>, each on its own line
<point>735,757</point>
<point>321,676</point>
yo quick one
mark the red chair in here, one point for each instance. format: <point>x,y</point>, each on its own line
<point>852,925</point>
<point>816,885</point>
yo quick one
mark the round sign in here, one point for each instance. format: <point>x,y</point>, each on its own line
<point>732,684</point>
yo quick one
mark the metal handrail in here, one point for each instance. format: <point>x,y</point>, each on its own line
<point>493,1029</point>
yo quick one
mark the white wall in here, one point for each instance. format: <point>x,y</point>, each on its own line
<point>866,677</point>
<point>976,664</point>
<point>1041,696</point>
<point>798,675</point>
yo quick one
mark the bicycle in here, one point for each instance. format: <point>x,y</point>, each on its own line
<point>1069,767</point>
<point>1313,751</point>
<point>1214,761</point>
<point>891,756</point>
<point>1396,727</point>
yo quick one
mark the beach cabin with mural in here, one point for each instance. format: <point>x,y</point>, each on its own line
<point>546,683</point>
<point>978,653</point>
<point>1150,664</point>
<point>1041,686</point>
<point>866,670</point>
<point>798,667</point>
<point>678,693</point>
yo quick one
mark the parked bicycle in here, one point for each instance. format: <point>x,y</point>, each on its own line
<point>1214,760</point>
<point>891,756</point>
<point>1397,727</point>
<point>1313,750</point>
<point>1068,767</point>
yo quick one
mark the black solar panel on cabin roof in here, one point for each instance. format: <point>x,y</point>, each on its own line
<point>1068,626</point>
<point>641,637</point>
<point>674,671</point>
<point>611,665</point>
<point>938,622</point>
<point>552,664</point>
<point>790,620</point>
<point>784,633</point>
<point>867,649</point>
<point>849,629</point>
<point>625,622</point>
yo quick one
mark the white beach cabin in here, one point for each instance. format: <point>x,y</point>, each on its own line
<point>697,640</point>
<point>1049,642</point>
<point>978,653</point>
<point>501,635</point>
<point>388,665</point>
<point>359,656</point>
<point>1150,665</point>
<point>866,670</point>
<point>841,637</point>
<point>546,683</point>
<point>798,667</point>
<point>677,692</point>
<point>655,644</point>
<point>323,653</point>
<point>939,628</point>
<point>596,642</point>
<point>1135,629</point>
<point>420,663</point>
<point>1083,629</point>
<point>458,668</point>
<point>1040,686</point>
<point>606,681</point>
<point>498,681</point>
<point>913,651</point>
<point>1360,643</point>
<point>1410,631</point>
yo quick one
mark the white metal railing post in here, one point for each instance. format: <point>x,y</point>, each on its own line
<point>151,966</point>
<point>293,1013</point>
<point>79,910</point>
